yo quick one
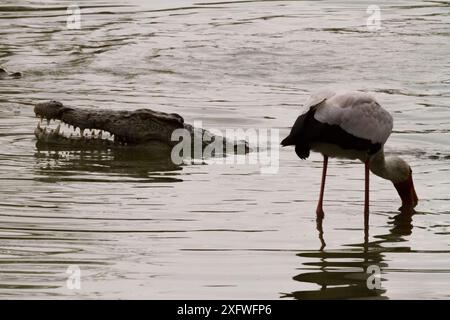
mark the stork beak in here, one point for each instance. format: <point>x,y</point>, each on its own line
<point>407,193</point>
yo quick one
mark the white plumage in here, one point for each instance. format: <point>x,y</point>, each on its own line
<point>357,113</point>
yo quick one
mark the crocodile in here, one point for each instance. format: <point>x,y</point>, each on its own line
<point>95,128</point>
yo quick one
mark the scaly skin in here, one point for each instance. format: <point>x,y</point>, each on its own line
<point>138,128</point>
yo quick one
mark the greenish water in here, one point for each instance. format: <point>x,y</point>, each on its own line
<point>139,227</point>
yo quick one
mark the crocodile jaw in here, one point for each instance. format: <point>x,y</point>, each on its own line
<point>104,127</point>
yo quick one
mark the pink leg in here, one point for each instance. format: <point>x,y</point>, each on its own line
<point>366,195</point>
<point>319,210</point>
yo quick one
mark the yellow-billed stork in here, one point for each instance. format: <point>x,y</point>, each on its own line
<point>351,125</point>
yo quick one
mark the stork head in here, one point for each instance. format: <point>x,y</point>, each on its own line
<point>399,173</point>
<point>407,192</point>
<point>401,177</point>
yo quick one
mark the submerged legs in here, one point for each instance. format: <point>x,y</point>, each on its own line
<point>319,210</point>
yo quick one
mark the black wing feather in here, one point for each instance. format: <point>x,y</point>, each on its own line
<point>307,130</point>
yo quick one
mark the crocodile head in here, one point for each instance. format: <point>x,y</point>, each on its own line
<point>97,127</point>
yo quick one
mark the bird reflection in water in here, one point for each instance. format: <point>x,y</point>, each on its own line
<point>344,274</point>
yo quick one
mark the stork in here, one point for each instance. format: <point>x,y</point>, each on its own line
<point>351,125</point>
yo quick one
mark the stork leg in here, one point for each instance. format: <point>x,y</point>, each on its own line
<point>319,211</point>
<point>366,194</point>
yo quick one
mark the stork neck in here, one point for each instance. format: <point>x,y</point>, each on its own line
<point>380,166</point>
<point>391,168</point>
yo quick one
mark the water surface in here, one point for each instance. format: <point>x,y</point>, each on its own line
<point>143,228</point>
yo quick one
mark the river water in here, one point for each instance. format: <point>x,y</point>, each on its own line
<point>138,228</point>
